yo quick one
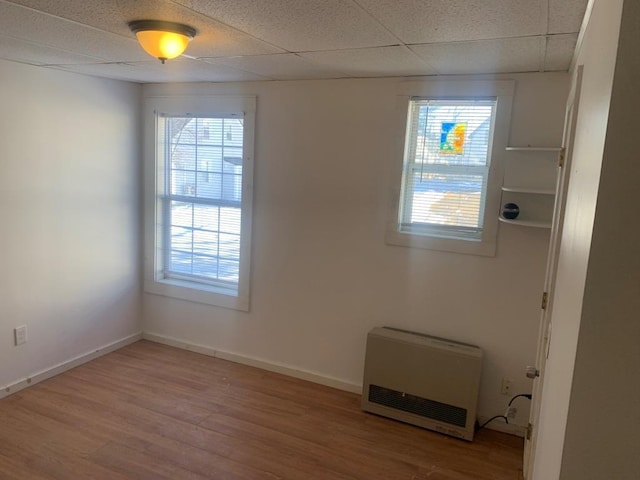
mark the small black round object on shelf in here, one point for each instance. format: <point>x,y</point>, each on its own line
<point>510,211</point>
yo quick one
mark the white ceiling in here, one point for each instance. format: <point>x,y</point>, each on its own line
<point>241,40</point>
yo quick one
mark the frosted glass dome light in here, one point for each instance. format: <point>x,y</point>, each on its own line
<point>162,40</point>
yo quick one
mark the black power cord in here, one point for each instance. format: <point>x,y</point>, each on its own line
<point>526,395</point>
<point>480,427</point>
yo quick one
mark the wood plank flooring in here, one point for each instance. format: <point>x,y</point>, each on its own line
<point>149,411</point>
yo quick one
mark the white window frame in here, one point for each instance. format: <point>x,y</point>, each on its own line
<point>502,91</point>
<point>154,216</point>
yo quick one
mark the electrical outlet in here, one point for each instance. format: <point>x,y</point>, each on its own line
<point>507,385</point>
<point>511,413</point>
<point>20,334</point>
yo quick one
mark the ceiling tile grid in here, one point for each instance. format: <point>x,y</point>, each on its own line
<point>23,51</point>
<point>382,61</point>
<point>559,52</point>
<point>41,28</point>
<point>247,40</point>
<point>280,66</point>
<point>484,56</point>
<point>300,26</point>
<point>565,16</point>
<point>440,21</point>
<point>182,70</point>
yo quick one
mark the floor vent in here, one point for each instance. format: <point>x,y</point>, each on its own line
<point>423,380</point>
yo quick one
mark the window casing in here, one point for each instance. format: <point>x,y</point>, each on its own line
<point>447,183</point>
<point>198,198</point>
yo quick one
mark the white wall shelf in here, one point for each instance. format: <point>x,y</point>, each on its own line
<point>534,191</point>
<point>530,181</point>
<point>526,223</point>
<point>533,149</point>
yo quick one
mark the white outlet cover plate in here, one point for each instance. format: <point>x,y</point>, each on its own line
<point>20,334</point>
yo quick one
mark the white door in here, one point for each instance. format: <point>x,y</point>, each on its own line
<point>544,335</point>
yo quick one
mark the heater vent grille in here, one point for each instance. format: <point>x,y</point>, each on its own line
<point>418,406</point>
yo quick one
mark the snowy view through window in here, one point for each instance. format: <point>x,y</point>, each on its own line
<point>203,178</point>
<point>447,164</point>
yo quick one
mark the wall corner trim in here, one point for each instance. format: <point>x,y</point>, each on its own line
<point>47,373</point>
<point>256,362</point>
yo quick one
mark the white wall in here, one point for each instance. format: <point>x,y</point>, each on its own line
<point>322,275</point>
<point>591,401</point>
<point>69,204</point>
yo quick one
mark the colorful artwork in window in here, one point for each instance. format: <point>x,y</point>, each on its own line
<point>452,138</point>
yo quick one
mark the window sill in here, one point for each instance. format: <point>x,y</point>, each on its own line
<point>467,247</point>
<point>199,293</point>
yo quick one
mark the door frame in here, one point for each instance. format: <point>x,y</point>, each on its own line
<point>545,329</point>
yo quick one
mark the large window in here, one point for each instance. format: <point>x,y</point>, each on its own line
<point>202,197</point>
<point>201,203</point>
<point>447,182</point>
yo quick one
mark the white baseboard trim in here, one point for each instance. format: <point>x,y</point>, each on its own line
<point>499,426</point>
<point>513,429</point>
<point>256,362</point>
<point>67,365</point>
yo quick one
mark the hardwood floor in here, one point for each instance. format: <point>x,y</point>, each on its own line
<point>149,411</point>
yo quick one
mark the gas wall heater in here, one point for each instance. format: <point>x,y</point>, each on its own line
<point>423,380</point>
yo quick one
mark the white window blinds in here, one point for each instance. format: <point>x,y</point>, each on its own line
<point>202,200</point>
<point>447,156</point>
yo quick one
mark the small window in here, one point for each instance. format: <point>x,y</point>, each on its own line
<point>446,165</point>
<point>201,203</point>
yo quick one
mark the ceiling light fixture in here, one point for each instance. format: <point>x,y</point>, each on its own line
<point>162,40</point>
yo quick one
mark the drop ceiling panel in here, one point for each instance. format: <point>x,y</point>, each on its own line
<point>214,39</point>
<point>484,56</point>
<point>382,61</point>
<point>417,21</point>
<point>36,27</point>
<point>183,70</point>
<point>566,16</point>
<point>297,25</point>
<point>222,41</point>
<point>36,54</point>
<point>130,73</point>
<point>203,71</point>
<point>279,67</point>
<point>560,52</point>
<point>109,15</point>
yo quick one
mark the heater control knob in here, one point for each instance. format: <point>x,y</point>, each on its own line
<point>532,372</point>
